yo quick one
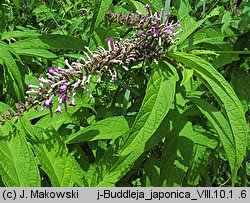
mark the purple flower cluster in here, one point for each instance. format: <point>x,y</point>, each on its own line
<point>61,83</point>
<point>152,24</point>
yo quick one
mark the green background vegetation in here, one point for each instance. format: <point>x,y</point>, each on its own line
<point>181,121</point>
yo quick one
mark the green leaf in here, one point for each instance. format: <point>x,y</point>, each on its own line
<point>109,128</point>
<point>7,128</point>
<point>105,4</point>
<point>156,4</point>
<point>198,165</point>
<point>189,25</point>
<point>15,84</point>
<point>226,20</point>
<point>18,167</point>
<point>75,24</point>
<point>241,84</point>
<point>56,121</point>
<point>17,4</point>
<point>221,126</point>
<point>56,162</point>
<point>112,168</point>
<point>99,36</point>
<point>171,175</point>
<point>187,73</point>
<point>101,7</point>
<point>245,16</point>
<point>152,172</point>
<point>18,34</point>
<point>225,57</point>
<point>50,42</point>
<point>43,13</point>
<point>183,7</point>
<point>208,35</point>
<point>227,99</point>
<point>164,78</point>
<point>137,5</point>
<point>204,138</point>
<point>179,147</point>
<point>36,53</point>
<point>154,108</point>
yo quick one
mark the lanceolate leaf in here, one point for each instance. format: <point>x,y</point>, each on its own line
<point>7,128</point>
<point>18,34</point>
<point>99,13</point>
<point>189,25</point>
<point>240,80</point>
<point>148,128</point>
<point>179,149</point>
<point>222,127</point>
<point>15,79</point>
<point>152,171</point>
<point>157,5</point>
<point>168,172</point>
<point>57,163</point>
<point>121,165</point>
<point>227,99</point>
<point>109,128</point>
<point>18,167</point>
<point>37,53</point>
<point>198,165</point>
<point>157,102</point>
<point>50,42</point>
<point>102,10</point>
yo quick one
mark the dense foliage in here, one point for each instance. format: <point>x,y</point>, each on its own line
<point>159,100</point>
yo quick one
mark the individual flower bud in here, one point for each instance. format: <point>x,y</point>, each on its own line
<point>111,44</point>
<point>29,86</point>
<point>147,7</point>
<point>32,92</point>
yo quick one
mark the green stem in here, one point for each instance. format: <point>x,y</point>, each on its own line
<point>203,8</point>
<point>2,18</point>
<point>233,52</point>
<point>214,5</point>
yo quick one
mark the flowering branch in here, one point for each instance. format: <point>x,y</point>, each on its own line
<point>154,35</point>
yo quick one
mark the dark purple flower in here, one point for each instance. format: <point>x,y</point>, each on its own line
<point>66,98</point>
<point>57,83</point>
<point>154,31</point>
<point>63,82</point>
<point>48,103</point>
<point>61,90</point>
<point>58,110</point>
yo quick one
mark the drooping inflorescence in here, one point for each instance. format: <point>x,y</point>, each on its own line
<point>155,24</point>
<point>155,33</point>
